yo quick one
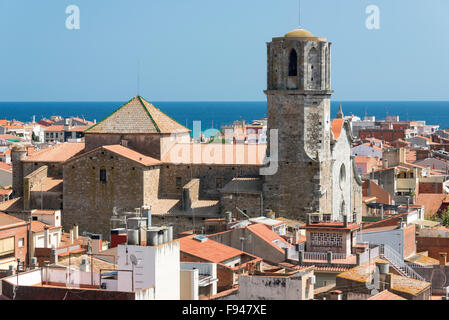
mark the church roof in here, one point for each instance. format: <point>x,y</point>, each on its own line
<point>137,116</point>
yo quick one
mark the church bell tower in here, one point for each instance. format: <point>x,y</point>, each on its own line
<point>298,102</point>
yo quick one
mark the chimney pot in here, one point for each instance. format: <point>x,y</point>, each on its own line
<point>443,258</point>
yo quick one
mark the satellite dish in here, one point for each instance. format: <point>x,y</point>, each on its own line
<point>134,260</point>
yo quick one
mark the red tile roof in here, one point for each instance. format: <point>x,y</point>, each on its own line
<point>6,166</point>
<point>431,201</point>
<point>8,221</point>
<point>263,232</point>
<point>208,250</point>
<point>57,153</point>
<point>37,226</point>
<point>132,155</point>
<point>332,225</point>
<point>54,128</point>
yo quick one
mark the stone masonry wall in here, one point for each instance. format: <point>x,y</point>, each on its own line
<point>89,202</point>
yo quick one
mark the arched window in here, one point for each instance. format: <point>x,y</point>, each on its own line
<point>293,64</point>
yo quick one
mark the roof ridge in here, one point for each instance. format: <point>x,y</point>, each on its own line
<point>149,114</point>
<point>164,113</point>
<point>110,114</point>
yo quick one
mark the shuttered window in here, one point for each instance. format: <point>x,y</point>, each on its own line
<point>6,246</point>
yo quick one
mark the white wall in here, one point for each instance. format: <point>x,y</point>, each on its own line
<point>158,267</point>
<point>393,238</point>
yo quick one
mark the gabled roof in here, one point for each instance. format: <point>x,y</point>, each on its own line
<point>268,236</point>
<point>124,152</point>
<point>209,250</point>
<point>386,295</point>
<point>7,221</point>
<point>137,116</point>
<point>57,153</point>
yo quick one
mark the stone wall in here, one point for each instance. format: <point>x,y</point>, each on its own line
<point>247,202</point>
<point>36,178</point>
<point>89,202</point>
<point>212,177</point>
<point>190,194</point>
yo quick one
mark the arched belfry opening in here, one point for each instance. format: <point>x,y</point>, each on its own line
<point>293,64</point>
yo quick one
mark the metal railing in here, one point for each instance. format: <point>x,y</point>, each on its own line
<point>321,256</point>
<point>397,261</point>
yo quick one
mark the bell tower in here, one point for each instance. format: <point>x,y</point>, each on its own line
<point>298,107</point>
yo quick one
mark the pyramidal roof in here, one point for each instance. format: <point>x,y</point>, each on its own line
<point>137,116</point>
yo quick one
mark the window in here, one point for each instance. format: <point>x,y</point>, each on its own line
<point>293,64</point>
<point>20,242</point>
<point>103,175</point>
<point>7,247</point>
<point>178,182</point>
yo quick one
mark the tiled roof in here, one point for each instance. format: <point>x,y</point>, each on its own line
<point>5,192</point>
<point>7,221</point>
<point>431,201</point>
<point>137,116</point>
<point>54,128</point>
<point>44,212</point>
<point>267,235</point>
<point>38,226</point>
<point>57,153</point>
<point>408,285</point>
<point>6,166</point>
<point>214,153</point>
<point>15,204</point>
<point>9,136</point>
<point>386,295</point>
<point>132,155</point>
<point>208,250</point>
<point>331,225</point>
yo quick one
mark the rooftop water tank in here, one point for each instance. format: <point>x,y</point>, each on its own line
<point>133,236</point>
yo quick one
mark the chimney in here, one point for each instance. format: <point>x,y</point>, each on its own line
<point>97,243</point>
<point>443,258</point>
<point>71,235</point>
<point>46,234</point>
<point>54,256</point>
<point>146,210</point>
<point>336,295</point>
<point>75,232</point>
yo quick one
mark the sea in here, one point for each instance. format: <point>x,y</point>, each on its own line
<point>215,114</point>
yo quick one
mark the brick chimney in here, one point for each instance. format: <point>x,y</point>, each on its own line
<point>443,258</point>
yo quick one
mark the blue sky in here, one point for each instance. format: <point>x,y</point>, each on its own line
<point>204,50</point>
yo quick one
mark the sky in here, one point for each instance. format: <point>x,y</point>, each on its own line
<point>209,50</point>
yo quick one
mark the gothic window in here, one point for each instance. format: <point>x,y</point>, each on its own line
<point>293,64</point>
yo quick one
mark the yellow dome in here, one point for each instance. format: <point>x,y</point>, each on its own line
<point>299,33</point>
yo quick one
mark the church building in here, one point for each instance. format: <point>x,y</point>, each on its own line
<point>139,156</point>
